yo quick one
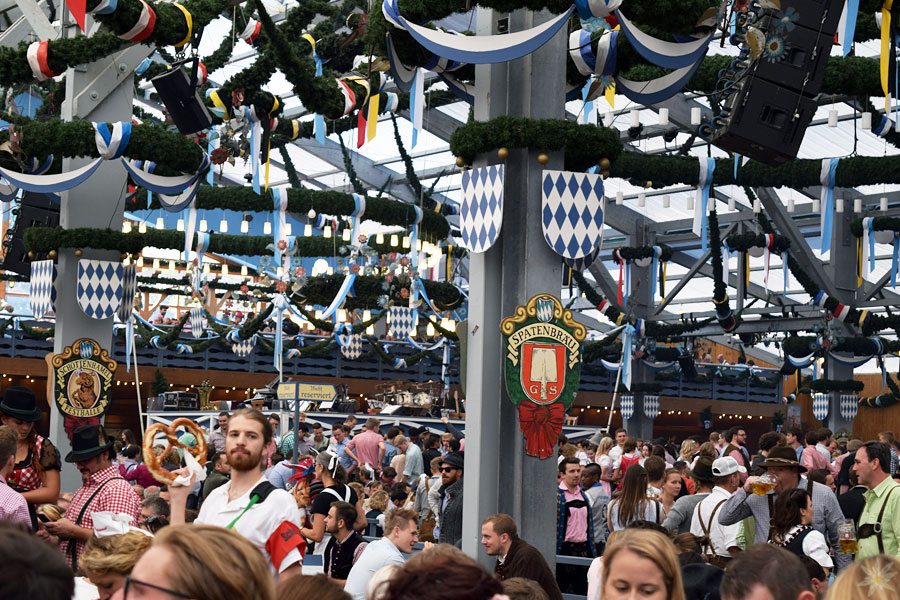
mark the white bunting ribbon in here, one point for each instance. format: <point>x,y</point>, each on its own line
<point>345,290</point>
<point>670,55</point>
<point>144,26</point>
<point>868,243</point>
<point>826,178</point>
<point>280,200</point>
<point>707,170</point>
<point>588,9</point>
<point>251,31</point>
<point>37,60</point>
<point>112,144</point>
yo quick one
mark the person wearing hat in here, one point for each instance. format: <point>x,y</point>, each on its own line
<point>451,499</point>
<point>782,463</point>
<point>719,540</point>
<point>678,519</point>
<point>35,474</point>
<point>104,490</point>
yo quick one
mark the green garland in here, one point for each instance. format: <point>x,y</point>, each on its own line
<point>800,346</point>
<point>173,152</point>
<point>742,242</point>
<point>878,224</point>
<point>638,252</point>
<point>836,385</point>
<point>584,145</point>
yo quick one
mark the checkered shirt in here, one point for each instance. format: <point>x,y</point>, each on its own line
<point>13,506</point>
<point>116,496</point>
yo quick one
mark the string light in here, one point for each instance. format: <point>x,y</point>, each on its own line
<point>223,226</point>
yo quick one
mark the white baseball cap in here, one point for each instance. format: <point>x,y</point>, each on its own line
<point>726,466</point>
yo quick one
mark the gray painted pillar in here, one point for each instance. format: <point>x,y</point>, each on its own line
<point>96,203</point>
<point>842,270</point>
<point>518,267</point>
<point>640,304</point>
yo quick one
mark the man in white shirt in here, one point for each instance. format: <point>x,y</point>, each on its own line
<point>400,533</point>
<point>615,453</point>
<point>249,504</point>
<point>719,541</point>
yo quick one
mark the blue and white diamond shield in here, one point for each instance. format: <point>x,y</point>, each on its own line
<point>129,289</point>
<point>99,287</point>
<point>351,345</point>
<point>197,323</point>
<point>849,406</point>
<point>627,406</point>
<point>580,264</point>
<point>820,406</point>
<point>651,406</point>
<point>43,277</point>
<point>402,321</point>
<point>243,348</point>
<point>572,212</point>
<point>481,211</point>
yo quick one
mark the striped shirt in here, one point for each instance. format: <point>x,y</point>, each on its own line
<point>13,506</point>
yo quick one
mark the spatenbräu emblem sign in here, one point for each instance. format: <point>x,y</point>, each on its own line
<point>543,346</point>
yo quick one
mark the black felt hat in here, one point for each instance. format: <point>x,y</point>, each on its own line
<point>18,402</point>
<point>87,442</point>
<point>455,460</point>
<point>702,470</point>
<point>782,456</point>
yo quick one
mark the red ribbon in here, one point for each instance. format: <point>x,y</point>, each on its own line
<point>77,8</point>
<point>541,425</point>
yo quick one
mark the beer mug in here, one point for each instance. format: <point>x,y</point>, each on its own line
<point>847,536</point>
<point>763,484</point>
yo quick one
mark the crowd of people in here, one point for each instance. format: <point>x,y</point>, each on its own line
<point>805,516</point>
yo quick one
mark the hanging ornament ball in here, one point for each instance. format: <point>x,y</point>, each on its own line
<point>604,163</point>
<point>79,252</point>
<point>311,214</point>
<point>460,161</point>
<point>51,254</point>
<point>31,255</point>
<point>648,185</point>
<point>543,158</point>
<point>503,153</point>
<point>605,174</point>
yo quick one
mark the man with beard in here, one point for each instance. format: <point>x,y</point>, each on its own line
<point>346,545</point>
<point>452,498</point>
<point>248,503</point>
<point>515,556</point>
<point>104,489</point>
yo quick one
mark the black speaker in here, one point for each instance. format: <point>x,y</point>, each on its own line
<point>686,362</point>
<point>767,122</point>
<point>819,15</point>
<point>35,210</point>
<point>801,67</point>
<point>182,101</point>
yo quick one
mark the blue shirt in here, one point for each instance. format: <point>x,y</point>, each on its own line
<point>376,555</point>
<point>390,451</point>
<point>414,465</point>
<point>340,450</point>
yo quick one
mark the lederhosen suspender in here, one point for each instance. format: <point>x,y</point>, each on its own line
<point>870,529</point>
<point>710,550</point>
<point>73,543</point>
<point>771,499</point>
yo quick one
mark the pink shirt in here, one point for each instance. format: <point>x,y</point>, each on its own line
<point>577,524</point>
<point>741,460</point>
<point>13,506</point>
<point>365,447</point>
<point>813,459</point>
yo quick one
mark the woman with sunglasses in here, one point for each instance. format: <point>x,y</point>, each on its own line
<point>199,562</point>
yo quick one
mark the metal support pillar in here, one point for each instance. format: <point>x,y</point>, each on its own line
<point>640,303</point>
<point>96,203</point>
<point>506,276</point>
<point>842,269</point>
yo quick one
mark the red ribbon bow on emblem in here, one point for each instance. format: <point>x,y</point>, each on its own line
<point>541,425</point>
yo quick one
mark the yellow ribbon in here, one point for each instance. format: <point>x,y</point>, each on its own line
<point>620,318</point>
<point>190,25</point>
<point>310,39</point>
<point>295,129</point>
<point>372,121</point>
<point>362,81</point>
<point>275,105</point>
<point>885,49</point>
<point>217,102</point>
<point>449,261</point>
<point>862,317</point>
<point>859,265</point>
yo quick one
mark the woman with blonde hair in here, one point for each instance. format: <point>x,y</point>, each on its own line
<point>872,578</point>
<point>607,464</point>
<point>108,560</point>
<point>688,449</point>
<point>201,562</point>
<point>641,562</point>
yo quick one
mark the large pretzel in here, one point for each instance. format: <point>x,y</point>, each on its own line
<point>154,462</point>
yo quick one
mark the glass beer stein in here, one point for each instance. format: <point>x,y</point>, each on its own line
<point>763,484</point>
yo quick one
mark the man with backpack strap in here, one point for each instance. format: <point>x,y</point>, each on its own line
<point>718,542</point>
<point>248,503</point>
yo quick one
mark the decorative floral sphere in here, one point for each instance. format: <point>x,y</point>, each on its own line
<point>404,293</point>
<point>363,239</point>
<point>389,277</point>
<point>280,286</point>
<point>219,156</point>
<point>244,289</point>
<point>543,158</point>
<point>503,153</point>
<point>404,261</point>
<point>300,271</point>
<point>460,161</point>
<point>354,268</point>
<point>392,256</point>
<point>282,245</point>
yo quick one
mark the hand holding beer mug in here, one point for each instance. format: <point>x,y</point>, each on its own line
<point>847,536</point>
<point>764,483</point>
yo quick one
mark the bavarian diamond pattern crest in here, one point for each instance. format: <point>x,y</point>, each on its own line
<point>572,212</point>
<point>244,347</point>
<point>820,406</point>
<point>651,406</point>
<point>580,264</point>
<point>129,289</point>
<point>849,406</point>
<point>99,289</point>
<point>481,211</point>
<point>43,278</point>
<point>197,322</point>
<point>627,406</point>
<point>544,309</point>
<point>351,346</point>
<point>402,321</point>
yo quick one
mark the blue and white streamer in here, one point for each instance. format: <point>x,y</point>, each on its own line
<point>111,144</point>
<point>106,7</point>
<point>627,350</point>
<point>654,270</point>
<point>895,255</point>
<point>851,361</point>
<point>670,55</point>
<point>600,9</point>
<point>414,242</point>
<point>868,243</point>
<point>659,89</point>
<point>345,290</point>
<point>826,178</point>
<point>417,103</point>
<point>847,25</point>
<point>801,362</point>
<point>50,184</point>
<point>279,303</point>
<point>884,126</point>
<point>280,201</point>
<point>701,211</point>
<point>143,66</point>
<point>477,49</point>
<point>356,217</point>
